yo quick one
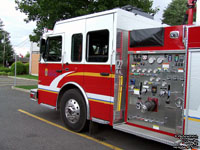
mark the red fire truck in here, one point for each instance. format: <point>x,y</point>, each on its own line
<point>123,69</point>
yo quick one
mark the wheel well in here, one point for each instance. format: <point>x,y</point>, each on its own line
<point>63,90</point>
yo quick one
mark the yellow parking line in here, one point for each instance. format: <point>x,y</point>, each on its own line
<point>61,127</point>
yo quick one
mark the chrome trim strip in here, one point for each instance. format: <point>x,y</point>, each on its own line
<point>100,121</point>
<point>48,106</point>
<point>157,51</point>
<point>33,99</point>
<point>151,135</point>
<point>186,77</point>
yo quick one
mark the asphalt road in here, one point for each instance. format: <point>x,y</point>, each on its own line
<point>26,125</point>
<point>10,81</point>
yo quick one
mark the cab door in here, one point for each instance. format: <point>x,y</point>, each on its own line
<point>50,68</point>
<point>97,70</point>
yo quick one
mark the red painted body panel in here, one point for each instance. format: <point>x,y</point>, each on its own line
<point>159,131</point>
<point>47,97</point>
<point>169,44</point>
<point>98,85</point>
<point>100,111</point>
<point>85,75</point>
<point>89,78</point>
<point>50,73</point>
<point>78,78</point>
<point>193,37</point>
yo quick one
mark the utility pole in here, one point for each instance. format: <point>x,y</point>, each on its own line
<point>4,50</point>
<point>15,69</point>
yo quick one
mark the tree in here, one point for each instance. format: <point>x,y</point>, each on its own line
<point>174,13</point>
<point>5,42</point>
<point>47,12</point>
<point>27,55</point>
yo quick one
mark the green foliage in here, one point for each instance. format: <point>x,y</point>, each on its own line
<point>27,87</point>
<point>174,13</point>
<point>5,42</point>
<point>20,68</point>
<point>11,74</point>
<point>47,12</point>
<point>3,69</point>
<point>27,55</point>
<point>3,74</point>
<point>26,68</point>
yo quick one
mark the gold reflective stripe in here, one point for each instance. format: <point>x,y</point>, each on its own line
<point>91,74</point>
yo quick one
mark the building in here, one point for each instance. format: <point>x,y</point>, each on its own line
<point>34,59</point>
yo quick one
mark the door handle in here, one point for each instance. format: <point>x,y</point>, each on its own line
<point>58,71</point>
<point>104,74</point>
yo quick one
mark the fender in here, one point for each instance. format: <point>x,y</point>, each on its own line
<point>82,92</point>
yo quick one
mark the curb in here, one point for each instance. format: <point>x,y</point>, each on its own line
<point>22,78</point>
<point>20,89</point>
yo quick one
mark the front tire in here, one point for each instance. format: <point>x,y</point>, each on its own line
<point>73,110</point>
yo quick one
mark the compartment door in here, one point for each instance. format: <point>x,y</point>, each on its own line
<point>193,94</point>
<point>97,72</point>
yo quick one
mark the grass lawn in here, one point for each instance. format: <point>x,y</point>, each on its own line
<point>28,76</point>
<point>27,87</point>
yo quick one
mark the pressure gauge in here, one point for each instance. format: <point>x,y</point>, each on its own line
<point>151,60</point>
<point>138,70</point>
<point>144,57</point>
<point>144,70</point>
<point>133,70</point>
<point>157,79</point>
<point>149,71</point>
<point>160,60</point>
<point>152,78</point>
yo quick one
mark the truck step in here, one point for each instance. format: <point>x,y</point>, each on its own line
<point>151,135</point>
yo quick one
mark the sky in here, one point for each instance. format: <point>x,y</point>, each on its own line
<point>13,21</point>
<point>162,5</point>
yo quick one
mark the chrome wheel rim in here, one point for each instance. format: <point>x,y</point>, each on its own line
<point>72,111</point>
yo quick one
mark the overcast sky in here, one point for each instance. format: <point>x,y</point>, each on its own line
<point>13,21</point>
<point>162,5</point>
<point>20,31</point>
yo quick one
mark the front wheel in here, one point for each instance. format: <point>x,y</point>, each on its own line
<point>73,110</point>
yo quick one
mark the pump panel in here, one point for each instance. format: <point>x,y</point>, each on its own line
<point>156,91</point>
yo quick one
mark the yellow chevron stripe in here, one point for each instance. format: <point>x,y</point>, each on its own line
<point>91,74</point>
<point>48,91</point>
<point>100,101</point>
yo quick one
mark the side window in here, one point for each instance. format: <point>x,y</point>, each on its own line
<point>76,51</point>
<point>53,49</point>
<point>97,46</point>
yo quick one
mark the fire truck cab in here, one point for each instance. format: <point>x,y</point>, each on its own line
<point>123,69</point>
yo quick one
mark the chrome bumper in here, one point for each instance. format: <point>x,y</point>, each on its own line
<point>34,94</point>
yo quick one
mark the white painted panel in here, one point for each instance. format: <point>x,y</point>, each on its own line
<point>101,23</point>
<point>70,28</point>
<point>194,85</point>
<point>129,21</point>
<point>193,98</point>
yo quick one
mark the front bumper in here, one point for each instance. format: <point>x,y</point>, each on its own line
<point>34,94</point>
